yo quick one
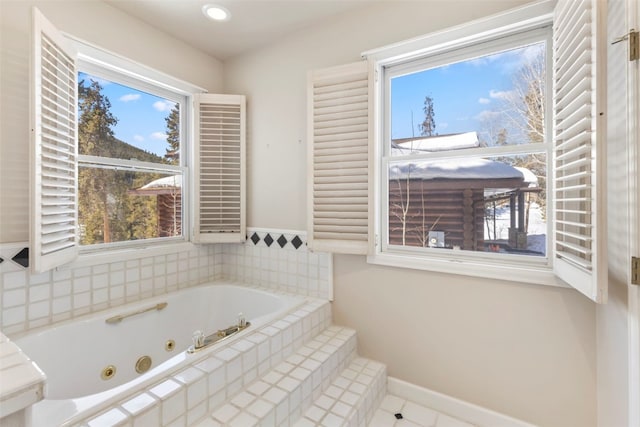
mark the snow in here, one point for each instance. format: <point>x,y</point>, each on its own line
<point>537,232</point>
<point>440,143</point>
<point>166,182</point>
<point>528,176</point>
<point>455,169</point>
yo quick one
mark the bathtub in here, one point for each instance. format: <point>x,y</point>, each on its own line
<point>78,355</point>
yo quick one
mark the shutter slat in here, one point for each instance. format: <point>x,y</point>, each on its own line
<point>577,147</point>
<point>220,175</point>
<point>54,216</point>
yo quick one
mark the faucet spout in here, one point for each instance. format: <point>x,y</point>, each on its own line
<point>198,339</point>
<point>201,341</point>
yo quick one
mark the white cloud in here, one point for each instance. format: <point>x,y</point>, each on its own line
<point>138,138</point>
<point>511,60</point>
<point>486,115</point>
<point>163,105</point>
<point>500,94</point>
<point>130,97</point>
<point>158,135</point>
<point>484,100</point>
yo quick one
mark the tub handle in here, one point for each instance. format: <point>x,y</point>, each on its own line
<point>118,318</point>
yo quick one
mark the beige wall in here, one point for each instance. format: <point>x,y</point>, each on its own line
<point>528,351</point>
<point>101,25</point>
<point>523,350</point>
<point>612,318</point>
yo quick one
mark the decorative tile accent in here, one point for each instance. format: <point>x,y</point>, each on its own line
<point>286,239</point>
<point>296,242</point>
<point>1,260</point>
<point>22,258</point>
<point>288,266</point>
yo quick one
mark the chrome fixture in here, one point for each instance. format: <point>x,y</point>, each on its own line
<point>201,341</point>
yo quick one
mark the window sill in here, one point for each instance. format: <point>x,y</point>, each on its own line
<point>473,268</point>
<point>97,257</point>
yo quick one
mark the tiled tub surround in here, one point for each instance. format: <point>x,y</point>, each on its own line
<point>279,260</point>
<point>29,301</point>
<point>212,376</point>
<point>74,370</point>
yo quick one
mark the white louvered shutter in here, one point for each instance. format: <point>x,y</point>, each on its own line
<point>53,234</point>
<point>340,184</point>
<point>220,168</point>
<point>579,151</point>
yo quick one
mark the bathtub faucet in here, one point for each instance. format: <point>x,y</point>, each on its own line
<point>201,341</point>
<point>198,340</point>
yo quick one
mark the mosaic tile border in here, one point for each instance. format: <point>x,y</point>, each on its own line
<point>273,238</point>
<point>14,256</point>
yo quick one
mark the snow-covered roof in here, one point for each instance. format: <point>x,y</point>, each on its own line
<point>528,176</point>
<point>173,181</point>
<point>455,141</point>
<point>481,169</point>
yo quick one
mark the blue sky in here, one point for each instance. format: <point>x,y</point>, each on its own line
<point>141,116</point>
<point>463,93</point>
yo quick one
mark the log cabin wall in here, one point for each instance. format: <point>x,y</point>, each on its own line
<point>453,209</point>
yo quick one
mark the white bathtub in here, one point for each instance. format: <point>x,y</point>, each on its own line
<point>74,354</point>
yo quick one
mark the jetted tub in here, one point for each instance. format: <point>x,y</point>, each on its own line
<point>77,355</point>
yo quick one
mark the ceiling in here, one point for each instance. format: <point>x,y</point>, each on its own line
<point>253,23</point>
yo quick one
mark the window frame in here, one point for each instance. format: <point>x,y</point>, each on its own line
<point>475,39</point>
<point>53,233</point>
<point>88,64</point>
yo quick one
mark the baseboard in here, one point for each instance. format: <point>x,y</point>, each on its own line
<point>448,405</point>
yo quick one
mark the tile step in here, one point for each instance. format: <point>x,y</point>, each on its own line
<point>352,398</point>
<point>281,395</point>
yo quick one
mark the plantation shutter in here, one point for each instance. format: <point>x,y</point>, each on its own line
<point>53,236</point>
<point>340,183</point>
<point>220,168</point>
<point>579,151</point>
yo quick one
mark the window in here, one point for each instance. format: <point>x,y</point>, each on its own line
<point>124,156</point>
<point>465,148</point>
<point>131,165</point>
<point>485,146</point>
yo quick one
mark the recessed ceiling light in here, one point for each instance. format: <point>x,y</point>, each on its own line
<point>216,12</point>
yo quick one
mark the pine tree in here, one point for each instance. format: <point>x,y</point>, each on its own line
<point>173,136</point>
<point>94,132</point>
<point>428,126</point>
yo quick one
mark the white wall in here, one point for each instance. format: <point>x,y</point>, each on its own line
<point>527,351</point>
<point>101,25</point>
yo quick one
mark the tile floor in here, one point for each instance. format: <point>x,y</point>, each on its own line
<point>397,412</point>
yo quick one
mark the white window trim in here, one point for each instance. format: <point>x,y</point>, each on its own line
<point>102,63</point>
<point>524,269</point>
<point>105,64</point>
<point>89,53</point>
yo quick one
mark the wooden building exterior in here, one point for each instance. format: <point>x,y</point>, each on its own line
<point>168,191</point>
<point>450,198</point>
